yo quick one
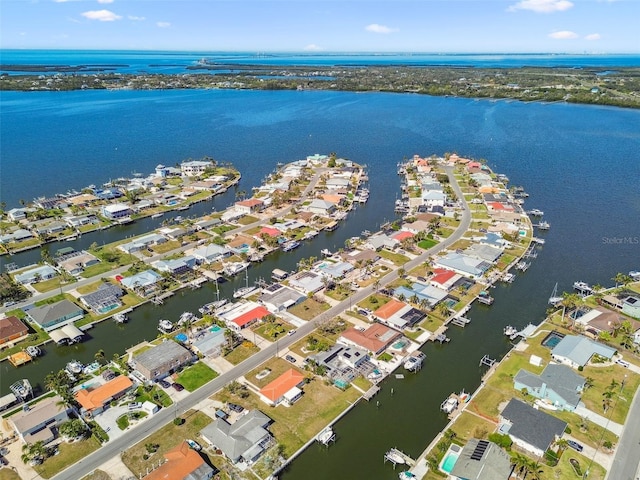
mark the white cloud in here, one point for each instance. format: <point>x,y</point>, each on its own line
<point>136,19</point>
<point>105,1</point>
<point>563,35</point>
<point>163,24</point>
<point>593,36</point>
<point>376,28</point>
<point>313,48</point>
<point>541,6</point>
<point>101,15</point>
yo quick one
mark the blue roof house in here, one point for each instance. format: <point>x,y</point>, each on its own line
<point>576,351</point>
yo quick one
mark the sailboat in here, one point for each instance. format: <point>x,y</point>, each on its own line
<point>246,290</point>
<point>554,299</point>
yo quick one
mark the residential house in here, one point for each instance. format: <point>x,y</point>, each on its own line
<point>374,339</point>
<point>463,264</point>
<point>194,168</point>
<point>12,328</point>
<point>533,430</point>
<point>161,361</point>
<point>482,460</point>
<point>39,422</point>
<point>321,207</point>
<point>283,390</point>
<point>54,315</point>
<point>249,206</point>
<point>103,300</point>
<point>243,441</point>
<point>95,400</point>
<point>558,385</point>
<point>182,463</point>
<point>37,274</point>
<point>116,211</point>
<point>577,350</point>
<point>277,297</point>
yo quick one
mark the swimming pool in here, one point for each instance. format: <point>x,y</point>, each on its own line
<point>553,339</point>
<point>450,459</point>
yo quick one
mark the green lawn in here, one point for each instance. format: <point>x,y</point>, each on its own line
<point>195,376</point>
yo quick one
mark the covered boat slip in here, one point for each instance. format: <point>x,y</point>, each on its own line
<point>67,334</point>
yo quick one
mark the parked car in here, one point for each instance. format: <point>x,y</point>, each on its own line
<point>235,408</point>
<point>575,445</point>
<point>290,358</point>
<point>178,387</point>
<point>164,384</point>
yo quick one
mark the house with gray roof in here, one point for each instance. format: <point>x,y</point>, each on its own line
<point>106,298</point>
<point>158,362</point>
<point>577,350</point>
<point>466,265</point>
<point>530,429</point>
<point>558,384</point>
<point>54,315</point>
<point>243,441</point>
<point>482,460</point>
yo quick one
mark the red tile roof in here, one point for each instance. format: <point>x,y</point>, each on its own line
<point>248,317</point>
<point>281,385</point>
<point>181,461</point>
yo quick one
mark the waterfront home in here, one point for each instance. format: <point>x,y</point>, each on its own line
<point>95,400</point>
<point>210,253</point>
<point>444,279</point>
<point>307,282</point>
<point>533,430</point>
<point>161,361</point>
<point>420,293</point>
<point>103,300</point>
<point>398,314</point>
<point>142,243</point>
<point>343,362</point>
<point>243,441</point>
<point>482,460</point>
<point>463,264</point>
<point>283,390</point>
<point>631,306</point>
<point>558,385</point>
<point>321,207</point>
<point>182,463</point>
<point>37,274</point>
<point>144,281</point>
<point>178,266</point>
<point>577,350</point>
<point>374,339</point>
<point>74,263</point>
<point>277,297</point>
<point>243,315</point>
<point>12,329</point>
<point>209,343</point>
<point>194,168</point>
<point>17,214</point>
<point>116,211</point>
<point>40,421</point>
<point>54,315</point>
<point>249,206</point>
<point>483,252</point>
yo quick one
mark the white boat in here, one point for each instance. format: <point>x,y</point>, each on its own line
<point>33,351</point>
<point>74,367</point>
<point>120,318</point>
<point>186,317</point>
<point>165,326</point>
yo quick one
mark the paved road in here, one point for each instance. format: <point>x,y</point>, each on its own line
<point>135,435</point>
<point>626,464</point>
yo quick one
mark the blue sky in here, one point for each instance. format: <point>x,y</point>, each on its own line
<point>571,26</point>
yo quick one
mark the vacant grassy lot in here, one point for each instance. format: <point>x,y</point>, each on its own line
<point>195,376</point>
<point>69,454</point>
<point>167,437</point>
